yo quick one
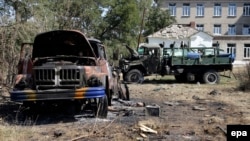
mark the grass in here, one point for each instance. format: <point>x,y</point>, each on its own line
<point>13,133</point>
<point>243,76</point>
<point>235,101</point>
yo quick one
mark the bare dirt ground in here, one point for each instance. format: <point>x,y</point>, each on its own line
<point>188,112</point>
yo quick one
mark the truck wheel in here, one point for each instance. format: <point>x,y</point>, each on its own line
<point>181,78</point>
<point>211,77</point>
<point>102,107</point>
<point>190,77</point>
<point>134,76</point>
<point>108,91</point>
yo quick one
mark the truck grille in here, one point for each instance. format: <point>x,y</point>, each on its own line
<point>45,76</point>
<point>69,77</point>
<point>58,77</point>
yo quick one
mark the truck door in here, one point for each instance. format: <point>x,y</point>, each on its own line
<point>152,61</point>
<point>25,62</point>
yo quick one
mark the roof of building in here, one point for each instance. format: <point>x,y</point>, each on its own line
<point>175,31</point>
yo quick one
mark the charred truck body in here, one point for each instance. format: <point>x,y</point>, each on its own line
<point>64,65</point>
<point>200,64</point>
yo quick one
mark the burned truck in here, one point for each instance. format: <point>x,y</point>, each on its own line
<point>64,66</point>
<point>196,64</point>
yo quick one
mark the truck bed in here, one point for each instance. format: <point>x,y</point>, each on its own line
<point>200,56</point>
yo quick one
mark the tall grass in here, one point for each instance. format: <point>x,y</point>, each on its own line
<point>243,77</point>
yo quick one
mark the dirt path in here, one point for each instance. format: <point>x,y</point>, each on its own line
<point>187,112</point>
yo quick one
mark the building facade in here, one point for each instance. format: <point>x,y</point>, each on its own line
<point>228,21</point>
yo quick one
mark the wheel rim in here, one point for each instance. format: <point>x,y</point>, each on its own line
<point>212,78</point>
<point>134,77</point>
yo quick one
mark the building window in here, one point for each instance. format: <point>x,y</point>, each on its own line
<point>231,48</point>
<point>217,9</point>
<point>232,9</point>
<point>172,9</point>
<point>231,29</point>
<point>200,10</point>
<point>200,27</point>
<point>246,50</point>
<point>246,29</point>
<point>217,29</point>
<point>246,9</point>
<point>217,44</point>
<point>186,9</point>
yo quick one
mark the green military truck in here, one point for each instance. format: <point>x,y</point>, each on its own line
<point>196,64</point>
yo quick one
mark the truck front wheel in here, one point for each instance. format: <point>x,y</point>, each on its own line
<point>134,76</point>
<point>108,91</point>
<point>211,77</point>
<point>102,107</point>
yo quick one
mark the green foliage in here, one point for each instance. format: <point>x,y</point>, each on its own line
<point>120,24</point>
<point>121,20</point>
<point>157,19</point>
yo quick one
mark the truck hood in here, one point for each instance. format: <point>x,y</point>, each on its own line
<point>133,52</point>
<point>62,42</point>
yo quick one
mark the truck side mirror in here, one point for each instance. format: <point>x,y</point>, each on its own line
<point>121,56</point>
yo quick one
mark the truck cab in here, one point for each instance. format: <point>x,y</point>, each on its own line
<point>146,63</point>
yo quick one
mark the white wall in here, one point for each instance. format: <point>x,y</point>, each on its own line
<point>201,40</point>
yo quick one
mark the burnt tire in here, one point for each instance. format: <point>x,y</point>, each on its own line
<point>102,107</point>
<point>134,75</point>
<point>211,77</point>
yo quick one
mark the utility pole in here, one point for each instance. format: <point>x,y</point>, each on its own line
<point>141,28</point>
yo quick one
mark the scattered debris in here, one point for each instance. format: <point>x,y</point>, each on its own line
<point>214,92</point>
<point>143,135</point>
<point>158,89</point>
<point>139,139</point>
<point>224,131</point>
<point>129,103</point>
<point>140,104</point>
<point>172,103</point>
<point>147,129</point>
<point>128,113</point>
<point>195,97</point>
<point>126,103</point>
<point>199,108</point>
<point>153,110</point>
<point>58,133</point>
<point>121,111</point>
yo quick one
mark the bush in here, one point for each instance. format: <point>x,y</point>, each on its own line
<point>244,78</point>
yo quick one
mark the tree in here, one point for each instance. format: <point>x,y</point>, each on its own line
<point>157,19</point>
<point>81,15</point>
<point>121,20</point>
<point>115,22</point>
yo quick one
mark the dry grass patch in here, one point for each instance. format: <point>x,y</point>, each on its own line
<point>242,74</point>
<point>13,133</point>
